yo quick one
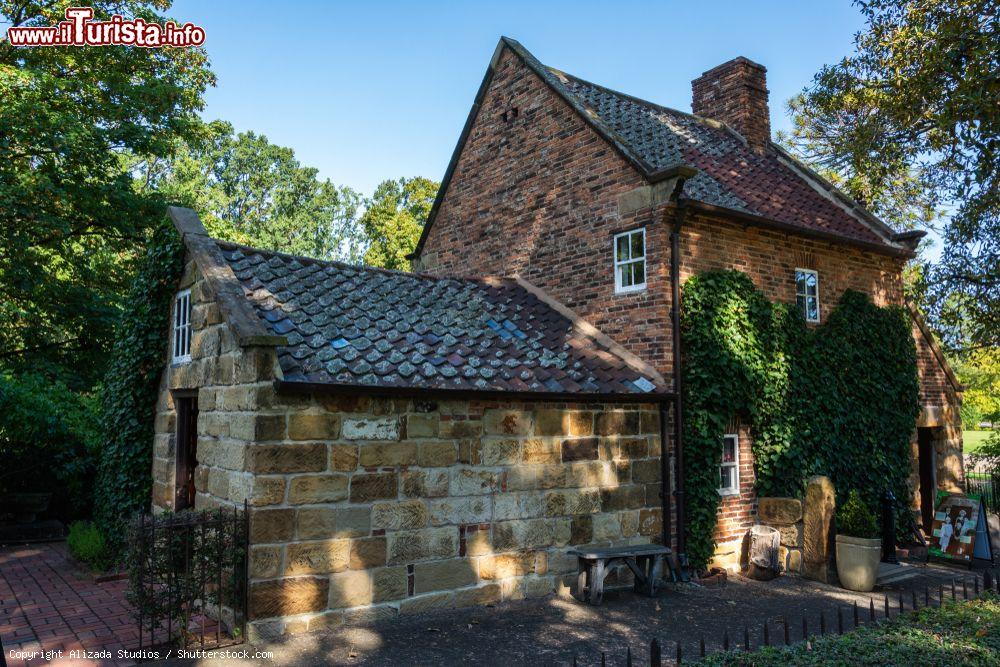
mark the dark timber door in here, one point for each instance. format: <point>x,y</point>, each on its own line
<point>186,448</point>
<point>928,486</point>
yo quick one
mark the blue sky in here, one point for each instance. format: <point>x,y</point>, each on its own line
<point>371,90</point>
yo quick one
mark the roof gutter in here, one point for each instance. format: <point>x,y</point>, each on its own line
<point>293,387</point>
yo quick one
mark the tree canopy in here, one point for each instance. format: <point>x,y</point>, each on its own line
<point>70,221</point>
<point>909,124</point>
<point>253,192</point>
<point>393,219</point>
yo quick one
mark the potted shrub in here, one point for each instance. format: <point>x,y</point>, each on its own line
<point>859,547</point>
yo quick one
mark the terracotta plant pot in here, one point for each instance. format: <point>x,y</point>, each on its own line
<point>26,505</point>
<point>857,562</point>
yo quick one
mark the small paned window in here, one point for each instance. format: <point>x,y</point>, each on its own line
<point>182,327</point>
<point>807,294</point>
<point>729,469</point>
<point>630,261</point>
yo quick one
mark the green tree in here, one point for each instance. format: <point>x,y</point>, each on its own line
<point>253,192</point>
<point>979,371</point>
<point>909,122</point>
<point>70,220</point>
<point>394,217</point>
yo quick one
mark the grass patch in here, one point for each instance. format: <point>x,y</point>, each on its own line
<point>959,633</point>
<point>973,440</point>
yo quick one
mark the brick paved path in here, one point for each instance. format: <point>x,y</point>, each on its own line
<point>46,606</point>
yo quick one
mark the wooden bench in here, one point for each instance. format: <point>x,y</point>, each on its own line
<point>645,561</point>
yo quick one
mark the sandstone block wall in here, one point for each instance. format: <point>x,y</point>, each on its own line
<point>373,507</point>
<point>786,515</point>
<point>232,384</point>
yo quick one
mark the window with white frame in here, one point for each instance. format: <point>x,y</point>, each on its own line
<point>807,294</point>
<point>729,469</point>
<point>630,261</point>
<point>182,326</point>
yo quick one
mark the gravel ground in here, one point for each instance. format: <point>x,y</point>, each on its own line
<point>554,630</point>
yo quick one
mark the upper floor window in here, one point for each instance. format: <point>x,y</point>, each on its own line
<point>729,469</point>
<point>182,326</point>
<point>807,294</point>
<point>630,261</point>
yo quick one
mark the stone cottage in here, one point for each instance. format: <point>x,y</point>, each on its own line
<point>405,442</point>
<point>609,203</point>
<point>415,441</point>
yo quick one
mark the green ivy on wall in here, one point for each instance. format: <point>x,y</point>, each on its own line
<point>840,399</point>
<point>132,383</point>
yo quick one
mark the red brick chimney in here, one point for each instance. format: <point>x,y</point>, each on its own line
<point>736,94</point>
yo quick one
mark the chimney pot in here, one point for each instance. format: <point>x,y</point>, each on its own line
<point>735,93</point>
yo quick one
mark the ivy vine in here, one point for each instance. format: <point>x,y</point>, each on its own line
<point>839,399</point>
<point>131,387</point>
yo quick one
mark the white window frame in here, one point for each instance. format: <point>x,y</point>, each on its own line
<point>180,341</point>
<point>638,287</point>
<point>734,464</point>
<point>807,296</point>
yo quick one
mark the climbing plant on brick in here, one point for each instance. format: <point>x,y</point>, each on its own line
<point>839,399</point>
<point>130,391</point>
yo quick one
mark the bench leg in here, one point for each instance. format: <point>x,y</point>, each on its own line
<point>655,572</point>
<point>597,574</point>
<point>583,568</point>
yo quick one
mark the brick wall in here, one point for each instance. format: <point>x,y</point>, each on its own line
<point>542,197</point>
<point>538,196</point>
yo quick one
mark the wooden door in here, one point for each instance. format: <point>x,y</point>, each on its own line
<point>928,480</point>
<point>186,450</point>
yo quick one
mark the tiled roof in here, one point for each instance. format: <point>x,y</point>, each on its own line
<point>730,174</point>
<point>771,186</point>
<point>360,326</point>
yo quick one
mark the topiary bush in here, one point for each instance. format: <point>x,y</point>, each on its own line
<point>839,399</point>
<point>855,518</point>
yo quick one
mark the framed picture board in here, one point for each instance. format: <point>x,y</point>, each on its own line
<point>959,533</point>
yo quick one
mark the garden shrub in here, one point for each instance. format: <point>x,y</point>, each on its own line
<point>87,544</point>
<point>131,386</point>
<point>839,399</point>
<point>855,518</point>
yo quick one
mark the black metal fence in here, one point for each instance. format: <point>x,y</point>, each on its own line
<point>835,621</point>
<point>188,577</point>
<point>987,486</point>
